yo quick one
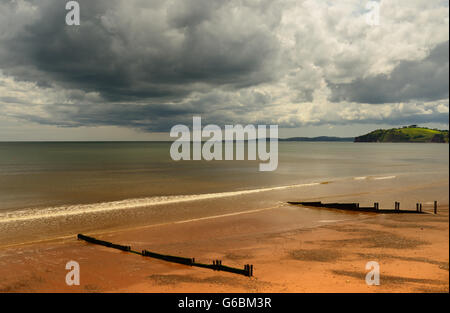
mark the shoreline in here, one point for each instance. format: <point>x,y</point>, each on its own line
<point>412,251</point>
<point>36,225</point>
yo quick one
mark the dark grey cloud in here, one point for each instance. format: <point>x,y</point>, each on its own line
<point>217,108</point>
<point>425,80</point>
<point>148,51</point>
<point>145,117</point>
<point>151,64</point>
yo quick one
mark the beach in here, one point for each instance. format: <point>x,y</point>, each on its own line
<point>133,194</point>
<point>193,146</point>
<point>288,255</point>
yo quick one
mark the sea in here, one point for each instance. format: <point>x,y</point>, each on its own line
<point>56,189</point>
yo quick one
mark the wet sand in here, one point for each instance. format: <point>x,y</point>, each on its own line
<point>412,250</point>
<point>130,194</point>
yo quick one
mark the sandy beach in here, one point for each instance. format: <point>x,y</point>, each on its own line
<point>194,146</point>
<point>412,250</point>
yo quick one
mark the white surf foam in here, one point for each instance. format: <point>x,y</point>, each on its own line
<point>385,177</point>
<point>69,210</point>
<point>373,177</point>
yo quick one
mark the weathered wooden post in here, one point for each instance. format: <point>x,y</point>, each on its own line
<point>435,207</point>
<point>421,208</point>
<point>251,270</point>
<point>417,207</point>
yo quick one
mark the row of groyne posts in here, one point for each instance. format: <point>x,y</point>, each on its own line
<point>357,207</point>
<point>216,264</point>
<point>376,206</point>
<point>418,206</point>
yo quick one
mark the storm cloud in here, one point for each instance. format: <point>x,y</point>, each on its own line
<point>125,51</point>
<point>150,65</point>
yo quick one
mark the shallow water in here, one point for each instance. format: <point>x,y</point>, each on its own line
<point>49,189</point>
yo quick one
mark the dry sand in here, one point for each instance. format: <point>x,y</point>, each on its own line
<point>412,250</point>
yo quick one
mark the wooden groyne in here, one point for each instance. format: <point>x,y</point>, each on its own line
<point>168,258</point>
<point>356,207</point>
<point>103,243</point>
<point>340,206</point>
<point>216,264</point>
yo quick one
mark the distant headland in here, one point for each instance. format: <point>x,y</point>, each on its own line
<point>320,138</point>
<point>412,133</point>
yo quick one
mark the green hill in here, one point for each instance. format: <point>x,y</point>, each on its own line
<point>405,134</point>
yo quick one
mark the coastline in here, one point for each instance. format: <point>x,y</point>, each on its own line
<point>412,251</point>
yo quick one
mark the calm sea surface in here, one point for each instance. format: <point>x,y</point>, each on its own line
<point>49,174</point>
<point>73,178</point>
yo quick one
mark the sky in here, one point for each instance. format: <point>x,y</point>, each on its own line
<point>133,69</point>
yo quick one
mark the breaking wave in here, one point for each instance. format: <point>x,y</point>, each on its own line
<point>68,210</point>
